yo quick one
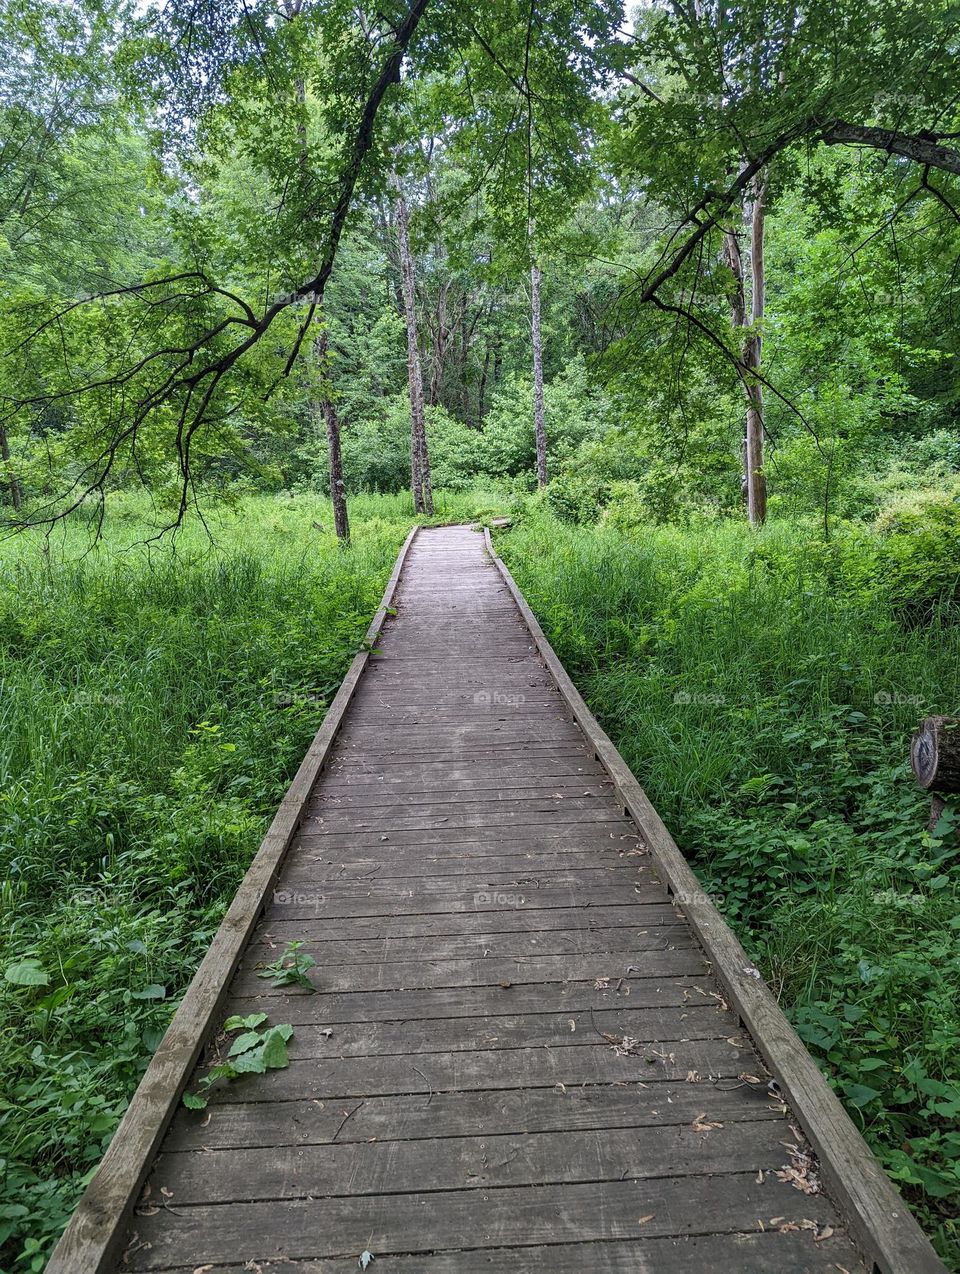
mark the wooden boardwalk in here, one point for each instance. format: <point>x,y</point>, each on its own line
<point>517,1058</point>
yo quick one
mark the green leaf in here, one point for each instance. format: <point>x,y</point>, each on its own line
<point>251,1063</point>
<point>275,1049</point>
<point>152,992</point>
<point>27,973</point>
<point>365,1259</point>
<point>226,1070</point>
<point>248,1023</point>
<point>243,1043</point>
<point>193,1101</point>
<point>860,1095</point>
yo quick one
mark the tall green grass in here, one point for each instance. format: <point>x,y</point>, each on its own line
<point>763,688</point>
<point>155,700</point>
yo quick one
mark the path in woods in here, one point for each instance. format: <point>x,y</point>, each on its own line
<point>516,1043</point>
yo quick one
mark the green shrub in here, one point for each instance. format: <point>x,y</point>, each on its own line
<point>575,411</point>
<point>656,497</point>
<point>921,556</point>
<point>576,497</point>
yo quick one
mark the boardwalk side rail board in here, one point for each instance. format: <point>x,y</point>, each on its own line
<point>92,1241</point>
<point>875,1211</point>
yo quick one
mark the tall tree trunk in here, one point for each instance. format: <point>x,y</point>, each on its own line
<point>754,483</point>
<point>16,497</point>
<point>752,357</point>
<point>321,346</point>
<point>338,492</point>
<point>482,387</point>
<point>539,418</point>
<point>438,352</point>
<point>419,454</point>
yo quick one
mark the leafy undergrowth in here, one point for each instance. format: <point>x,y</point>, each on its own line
<point>154,705</point>
<point>763,688</point>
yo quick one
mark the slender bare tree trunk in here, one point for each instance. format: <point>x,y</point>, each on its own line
<point>482,387</point>
<point>16,496</point>
<point>419,454</point>
<point>539,417</point>
<point>441,339</point>
<point>738,320</point>
<point>754,482</point>
<point>321,350</point>
<point>753,353</point>
<point>338,491</point>
<point>738,299</point>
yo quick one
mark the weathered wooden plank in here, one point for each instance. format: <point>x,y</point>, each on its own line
<point>91,1239</point>
<point>328,1007</point>
<point>305,900</point>
<point>341,776</point>
<point>499,750</point>
<point>437,738</point>
<point>539,811</point>
<point>449,875</point>
<point>528,919</point>
<point>479,878</point>
<point>481,706</point>
<point>521,831</point>
<point>412,861</point>
<point>755,1252</point>
<point>493,664</point>
<point>553,1109</point>
<point>409,974</point>
<point>377,792</point>
<point>327,813</point>
<point>266,943</point>
<point>268,940</point>
<point>520,1030</point>
<point>875,1211</point>
<point>308,901</point>
<point>427,718</point>
<point>529,1158</point>
<point>324,1078</point>
<point>401,699</point>
<point>478,761</point>
<point>519,1216</point>
<point>527,673</point>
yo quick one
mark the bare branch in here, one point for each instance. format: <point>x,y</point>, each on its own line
<point>923,148</point>
<point>199,368</point>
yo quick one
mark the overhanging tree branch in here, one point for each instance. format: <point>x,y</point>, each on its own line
<point>923,148</point>
<point>716,204</point>
<point>199,366</point>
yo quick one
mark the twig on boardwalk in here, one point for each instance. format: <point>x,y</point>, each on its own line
<point>344,1120</point>
<point>428,1084</point>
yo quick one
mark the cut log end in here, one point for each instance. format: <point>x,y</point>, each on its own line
<point>935,754</point>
